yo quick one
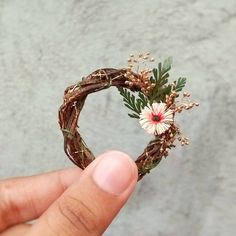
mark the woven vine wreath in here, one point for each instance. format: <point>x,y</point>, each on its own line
<point>146,92</point>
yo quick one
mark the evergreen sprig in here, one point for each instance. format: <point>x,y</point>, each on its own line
<point>179,85</point>
<point>160,78</point>
<point>133,103</point>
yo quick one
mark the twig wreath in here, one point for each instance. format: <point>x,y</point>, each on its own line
<point>155,106</point>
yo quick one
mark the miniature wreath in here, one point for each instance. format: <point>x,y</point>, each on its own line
<point>146,92</point>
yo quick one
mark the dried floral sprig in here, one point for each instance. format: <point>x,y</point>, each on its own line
<point>157,114</point>
<point>146,92</point>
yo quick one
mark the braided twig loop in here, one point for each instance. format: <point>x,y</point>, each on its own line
<point>74,98</point>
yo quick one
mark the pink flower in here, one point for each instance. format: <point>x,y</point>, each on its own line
<point>156,119</point>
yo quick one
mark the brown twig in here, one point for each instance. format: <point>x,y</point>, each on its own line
<point>74,98</point>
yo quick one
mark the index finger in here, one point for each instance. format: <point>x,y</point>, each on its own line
<point>24,199</point>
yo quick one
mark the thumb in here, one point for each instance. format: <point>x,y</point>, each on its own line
<point>88,206</point>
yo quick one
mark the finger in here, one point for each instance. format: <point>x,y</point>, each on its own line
<point>89,206</point>
<point>24,199</point>
<point>19,230</point>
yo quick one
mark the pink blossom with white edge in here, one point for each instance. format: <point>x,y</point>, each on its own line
<point>156,119</point>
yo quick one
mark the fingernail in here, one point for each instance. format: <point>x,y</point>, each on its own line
<point>113,173</point>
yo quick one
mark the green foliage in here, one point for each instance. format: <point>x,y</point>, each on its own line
<point>150,165</point>
<point>134,104</point>
<point>160,78</point>
<point>179,85</point>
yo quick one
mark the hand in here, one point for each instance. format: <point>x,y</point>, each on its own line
<point>68,202</point>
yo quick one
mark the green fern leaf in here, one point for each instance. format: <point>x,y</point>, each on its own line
<point>167,65</point>
<point>180,84</point>
<point>133,116</point>
<point>161,76</point>
<point>131,102</point>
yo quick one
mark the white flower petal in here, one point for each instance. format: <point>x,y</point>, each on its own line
<point>151,129</point>
<point>146,110</point>
<point>144,116</point>
<point>156,107</point>
<point>151,126</point>
<point>162,108</point>
<point>158,130</point>
<point>145,125</point>
<point>169,113</point>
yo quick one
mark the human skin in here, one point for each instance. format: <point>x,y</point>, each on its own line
<point>68,202</point>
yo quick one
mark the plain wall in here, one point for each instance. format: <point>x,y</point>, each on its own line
<point>46,46</point>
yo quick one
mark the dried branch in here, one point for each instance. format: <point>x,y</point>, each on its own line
<point>74,98</point>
